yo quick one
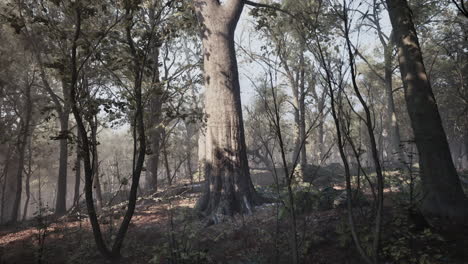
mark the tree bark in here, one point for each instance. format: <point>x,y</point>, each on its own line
<point>96,177</point>
<point>61,202</point>
<point>229,187</point>
<point>28,178</point>
<point>166,160</point>
<point>302,115</point>
<point>76,196</point>
<point>392,122</point>
<point>155,118</point>
<point>21,145</point>
<point>443,194</point>
<point>464,164</point>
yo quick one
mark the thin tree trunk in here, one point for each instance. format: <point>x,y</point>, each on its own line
<point>61,206</point>
<point>21,145</point>
<point>297,120</point>
<point>302,115</point>
<point>28,179</point>
<point>166,161</point>
<point>373,144</point>
<point>4,179</point>
<point>76,196</point>
<point>96,177</point>
<point>188,141</point>
<point>443,194</point>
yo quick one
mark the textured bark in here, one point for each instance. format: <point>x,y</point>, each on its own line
<point>155,122</point>
<point>229,188</point>
<point>443,194</point>
<point>61,202</point>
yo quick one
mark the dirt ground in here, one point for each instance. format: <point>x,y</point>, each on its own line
<point>167,229</point>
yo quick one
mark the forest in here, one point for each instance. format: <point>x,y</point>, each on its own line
<point>234,131</point>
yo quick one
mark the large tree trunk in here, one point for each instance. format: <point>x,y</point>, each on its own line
<point>61,202</point>
<point>229,188</point>
<point>443,194</point>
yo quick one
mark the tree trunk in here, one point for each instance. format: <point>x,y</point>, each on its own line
<point>61,202</point>
<point>297,126</point>
<point>28,178</point>
<point>188,140</point>
<point>96,177</point>
<point>392,122</point>
<point>166,160</point>
<point>302,115</point>
<point>155,134</point>
<point>21,145</point>
<point>76,196</point>
<point>155,118</point>
<point>443,194</point>
<point>229,187</point>
<point>5,156</point>
<point>464,164</point>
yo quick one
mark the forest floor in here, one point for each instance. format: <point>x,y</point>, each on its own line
<point>167,229</point>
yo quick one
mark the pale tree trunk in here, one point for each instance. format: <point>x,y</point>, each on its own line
<point>320,134</point>
<point>297,123</point>
<point>229,187</point>
<point>96,177</point>
<point>302,115</point>
<point>28,177</point>
<point>25,122</point>
<point>443,194</point>
<point>190,128</point>
<point>165,156</point>
<point>392,122</point>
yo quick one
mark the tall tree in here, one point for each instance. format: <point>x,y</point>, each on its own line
<point>229,187</point>
<point>443,194</point>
